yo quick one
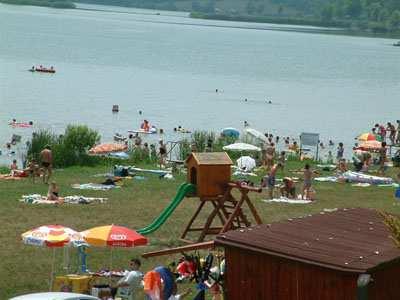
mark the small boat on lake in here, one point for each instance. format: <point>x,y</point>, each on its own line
<point>42,69</point>
<point>397,44</point>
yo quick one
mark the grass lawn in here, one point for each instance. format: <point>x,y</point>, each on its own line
<point>26,268</point>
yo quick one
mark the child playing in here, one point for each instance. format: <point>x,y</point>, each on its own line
<point>340,152</point>
<point>307,190</point>
<point>269,156</point>
<point>288,189</point>
<point>13,167</point>
<point>33,169</point>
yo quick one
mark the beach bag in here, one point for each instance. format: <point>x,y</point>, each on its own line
<point>397,193</point>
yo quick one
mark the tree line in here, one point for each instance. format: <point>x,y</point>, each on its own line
<point>46,3</point>
<point>373,15</point>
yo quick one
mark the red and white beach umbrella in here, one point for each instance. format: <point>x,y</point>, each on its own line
<point>113,236</point>
<point>51,236</point>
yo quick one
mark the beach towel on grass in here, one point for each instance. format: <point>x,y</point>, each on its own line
<point>39,199</point>
<point>287,200</point>
<point>326,179</point>
<point>242,173</point>
<point>8,177</point>
<point>356,177</point>
<point>94,187</point>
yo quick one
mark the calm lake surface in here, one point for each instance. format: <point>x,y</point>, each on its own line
<point>169,66</point>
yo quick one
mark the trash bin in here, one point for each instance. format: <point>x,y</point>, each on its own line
<point>397,193</point>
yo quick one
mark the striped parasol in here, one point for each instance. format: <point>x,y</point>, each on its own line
<point>113,236</point>
<point>52,236</point>
<point>366,137</point>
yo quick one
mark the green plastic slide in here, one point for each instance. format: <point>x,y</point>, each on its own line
<point>184,189</point>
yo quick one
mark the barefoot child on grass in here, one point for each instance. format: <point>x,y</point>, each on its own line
<point>307,189</point>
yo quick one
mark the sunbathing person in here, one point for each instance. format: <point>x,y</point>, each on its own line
<point>53,193</point>
<point>110,180</point>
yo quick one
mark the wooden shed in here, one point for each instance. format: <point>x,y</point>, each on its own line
<point>343,255</point>
<point>209,171</point>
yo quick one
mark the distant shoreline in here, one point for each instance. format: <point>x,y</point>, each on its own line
<point>335,27</point>
<point>332,27</point>
<point>61,4</point>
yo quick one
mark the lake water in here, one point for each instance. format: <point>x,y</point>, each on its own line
<point>169,66</point>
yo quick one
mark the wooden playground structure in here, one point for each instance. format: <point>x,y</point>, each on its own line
<point>210,172</point>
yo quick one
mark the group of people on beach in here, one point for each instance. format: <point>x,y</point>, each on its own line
<point>42,168</point>
<point>148,151</point>
<point>34,169</point>
<point>161,282</point>
<point>390,131</point>
<point>363,159</point>
<point>288,187</point>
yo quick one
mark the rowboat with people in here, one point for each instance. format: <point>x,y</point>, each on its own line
<point>42,69</point>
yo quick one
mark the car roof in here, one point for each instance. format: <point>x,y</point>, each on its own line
<point>55,296</point>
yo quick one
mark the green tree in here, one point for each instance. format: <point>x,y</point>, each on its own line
<point>280,9</point>
<point>327,12</point>
<point>250,8</point>
<point>353,8</point>
<point>394,21</point>
<point>374,11</point>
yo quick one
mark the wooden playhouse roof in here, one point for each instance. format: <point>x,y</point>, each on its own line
<point>211,158</point>
<point>351,240</point>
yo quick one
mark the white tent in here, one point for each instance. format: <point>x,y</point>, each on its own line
<point>241,147</point>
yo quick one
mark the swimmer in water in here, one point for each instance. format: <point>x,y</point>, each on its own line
<point>140,112</point>
<point>269,102</point>
<point>245,100</point>
<point>216,90</point>
<point>246,124</point>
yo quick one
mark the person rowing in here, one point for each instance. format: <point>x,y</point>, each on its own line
<point>145,126</point>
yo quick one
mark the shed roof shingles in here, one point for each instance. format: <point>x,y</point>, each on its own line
<point>354,240</point>
<point>211,158</point>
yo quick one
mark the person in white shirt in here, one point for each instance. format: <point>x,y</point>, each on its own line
<point>129,285</point>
